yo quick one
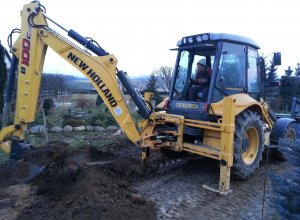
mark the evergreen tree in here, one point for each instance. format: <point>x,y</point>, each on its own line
<point>288,71</point>
<point>3,76</point>
<point>297,70</point>
<point>271,72</point>
<point>152,86</point>
<point>99,100</point>
<point>290,87</point>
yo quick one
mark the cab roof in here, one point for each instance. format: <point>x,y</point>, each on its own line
<point>213,37</point>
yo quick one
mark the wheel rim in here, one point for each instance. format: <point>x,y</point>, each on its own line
<point>290,136</point>
<point>253,142</point>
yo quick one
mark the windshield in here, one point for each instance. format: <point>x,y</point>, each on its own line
<point>187,71</point>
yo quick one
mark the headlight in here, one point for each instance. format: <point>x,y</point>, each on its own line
<point>184,40</point>
<point>190,40</point>
<point>205,37</point>
<point>199,38</point>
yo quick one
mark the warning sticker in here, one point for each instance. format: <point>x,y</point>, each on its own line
<point>118,111</point>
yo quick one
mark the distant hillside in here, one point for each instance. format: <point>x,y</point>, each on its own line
<point>140,77</point>
<point>140,82</point>
<point>65,77</point>
<point>80,83</point>
<point>73,83</point>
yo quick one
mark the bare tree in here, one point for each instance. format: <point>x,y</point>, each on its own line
<point>53,82</point>
<point>83,102</point>
<point>164,77</point>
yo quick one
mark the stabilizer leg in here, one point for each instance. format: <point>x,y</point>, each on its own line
<point>145,157</point>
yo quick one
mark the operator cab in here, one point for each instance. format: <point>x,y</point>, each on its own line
<point>231,61</point>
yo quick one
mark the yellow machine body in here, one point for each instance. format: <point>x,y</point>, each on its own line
<point>30,49</point>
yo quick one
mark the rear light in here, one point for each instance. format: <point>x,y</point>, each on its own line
<point>204,107</point>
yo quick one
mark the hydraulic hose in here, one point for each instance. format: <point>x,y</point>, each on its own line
<point>123,77</point>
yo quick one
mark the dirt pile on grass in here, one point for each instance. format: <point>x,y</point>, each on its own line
<point>85,184</point>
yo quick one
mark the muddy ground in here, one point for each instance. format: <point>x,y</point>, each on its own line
<point>108,183</point>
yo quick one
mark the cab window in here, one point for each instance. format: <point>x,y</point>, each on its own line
<point>186,69</point>
<point>231,77</point>
<point>182,74</point>
<point>253,77</point>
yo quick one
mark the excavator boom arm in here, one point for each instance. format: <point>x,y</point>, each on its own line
<point>30,50</point>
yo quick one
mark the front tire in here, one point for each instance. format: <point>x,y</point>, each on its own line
<point>290,133</point>
<point>249,142</point>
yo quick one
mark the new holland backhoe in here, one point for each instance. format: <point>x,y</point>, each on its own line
<point>231,124</point>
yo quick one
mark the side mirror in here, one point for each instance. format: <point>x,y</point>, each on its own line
<point>277,59</point>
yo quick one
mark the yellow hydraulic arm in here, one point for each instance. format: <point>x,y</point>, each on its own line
<point>30,50</point>
<point>160,130</point>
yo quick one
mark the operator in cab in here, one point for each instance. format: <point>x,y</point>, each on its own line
<point>199,86</point>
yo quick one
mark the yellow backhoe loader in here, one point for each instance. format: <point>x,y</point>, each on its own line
<point>230,122</point>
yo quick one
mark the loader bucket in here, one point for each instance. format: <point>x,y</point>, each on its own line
<point>22,171</point>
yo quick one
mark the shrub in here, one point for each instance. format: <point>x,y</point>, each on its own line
<point>48,104</point>
<point>73,122</point>
<point>99,100</point>
<point>82,103</point>
<point>67,116</point>
<point>102,119</point>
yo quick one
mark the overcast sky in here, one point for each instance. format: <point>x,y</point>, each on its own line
<point>140,33</point>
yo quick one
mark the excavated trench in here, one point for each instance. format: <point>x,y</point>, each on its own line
<point>108,183</point>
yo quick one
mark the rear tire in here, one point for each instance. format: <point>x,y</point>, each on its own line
<point>249,142</point>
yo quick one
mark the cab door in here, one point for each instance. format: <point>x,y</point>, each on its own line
<point>231,76</point>
<point>253,78</point>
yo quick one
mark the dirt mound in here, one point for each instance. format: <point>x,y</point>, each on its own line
<point>107,183</point>
<point>85,184</point>
<point>33,160</point>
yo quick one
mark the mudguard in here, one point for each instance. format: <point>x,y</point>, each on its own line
<point>279,127</point>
